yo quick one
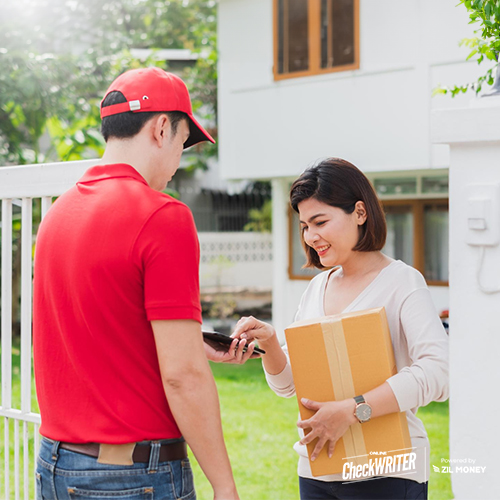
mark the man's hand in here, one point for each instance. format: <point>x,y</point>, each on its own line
<point>328,424</point>
<point>220,353</point>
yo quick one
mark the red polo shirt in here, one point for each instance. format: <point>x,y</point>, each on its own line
<point>111,255</point>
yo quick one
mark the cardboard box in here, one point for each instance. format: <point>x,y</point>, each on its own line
<point>339,357</point>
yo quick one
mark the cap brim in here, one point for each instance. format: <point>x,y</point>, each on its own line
<point>196,133</point>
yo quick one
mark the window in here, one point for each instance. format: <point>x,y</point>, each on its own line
<point>417,233</point>
<point>315,36</point>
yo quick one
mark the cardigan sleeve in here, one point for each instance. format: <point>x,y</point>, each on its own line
<point>282,383</point>
<point>426,379</point>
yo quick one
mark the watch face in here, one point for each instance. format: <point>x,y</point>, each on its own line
<point>363,412</point>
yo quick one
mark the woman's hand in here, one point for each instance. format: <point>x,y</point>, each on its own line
<point>220,353</point>
<point>250,328</point>
<point>328,424</point>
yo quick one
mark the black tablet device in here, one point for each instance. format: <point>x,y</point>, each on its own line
<point>224,339</point>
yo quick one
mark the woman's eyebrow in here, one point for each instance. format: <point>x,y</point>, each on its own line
<point>313,217</point>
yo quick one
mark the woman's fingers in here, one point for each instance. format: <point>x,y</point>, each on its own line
<point>311,405</point>
<point>304,424</point>
<point>244,325</point>
<point>251,328</point>
<point>317,449</point>
<point>331,448</point>
<point>322,440</point>
<point>309,438</point>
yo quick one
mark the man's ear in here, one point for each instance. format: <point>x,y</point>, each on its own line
<point>360,211</point>
<point>161,129</point>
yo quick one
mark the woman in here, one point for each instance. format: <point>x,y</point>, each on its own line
<point>343,231</point>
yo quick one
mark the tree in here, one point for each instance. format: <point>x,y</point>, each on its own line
<point>261,219</point>
<point>57,58</point>
<point>485,47</point>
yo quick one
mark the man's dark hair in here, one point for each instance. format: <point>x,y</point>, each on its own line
<point>128,124</point>
<point>339,183</point>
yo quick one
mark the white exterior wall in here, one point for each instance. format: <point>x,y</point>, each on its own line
<point>377,116</point>
<point>474,137</point>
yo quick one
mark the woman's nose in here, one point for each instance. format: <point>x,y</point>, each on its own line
<point>310,237</point>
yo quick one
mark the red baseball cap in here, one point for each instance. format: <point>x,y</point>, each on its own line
<point>151,90</point>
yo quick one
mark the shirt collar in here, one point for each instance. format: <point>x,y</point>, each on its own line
<point>113,171</point>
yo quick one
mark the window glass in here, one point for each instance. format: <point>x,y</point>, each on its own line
<point>399,185</point>
<point>399,243</point>
<point>293,36</point>
<point>337,33</point>
<point>436,242</point>
<point>435,184</point>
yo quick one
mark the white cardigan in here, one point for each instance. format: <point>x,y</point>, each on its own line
<point>420,347</point>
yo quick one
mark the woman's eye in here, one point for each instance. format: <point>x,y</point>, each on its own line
<point>303,228</point>
<point>320,223</point>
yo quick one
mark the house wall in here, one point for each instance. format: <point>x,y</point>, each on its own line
<point>377,116</point>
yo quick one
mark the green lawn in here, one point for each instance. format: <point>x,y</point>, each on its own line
<point>259,428</point>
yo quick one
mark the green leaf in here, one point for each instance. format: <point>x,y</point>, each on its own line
<point>439,91</point>
<point>472,54</point>
<point>490,55</point>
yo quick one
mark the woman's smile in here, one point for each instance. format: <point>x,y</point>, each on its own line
<point>322,250</point>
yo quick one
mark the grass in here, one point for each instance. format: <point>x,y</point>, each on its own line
<point>436,420</point>
<point>259,429</point>
<point>259,433</point>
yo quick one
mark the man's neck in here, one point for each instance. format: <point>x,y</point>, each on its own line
<point>127,151</point>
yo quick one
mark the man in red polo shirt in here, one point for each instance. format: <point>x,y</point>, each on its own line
<point>121,370</point>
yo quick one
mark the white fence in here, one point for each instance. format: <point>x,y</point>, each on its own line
<point>236,260</point>
<point>23,187</point>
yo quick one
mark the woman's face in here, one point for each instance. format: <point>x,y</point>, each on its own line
<point>330,231</point>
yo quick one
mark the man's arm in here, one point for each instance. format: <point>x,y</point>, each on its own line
<point>192,395</point>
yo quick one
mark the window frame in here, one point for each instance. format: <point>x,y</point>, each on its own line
<point>417,207</point>
<point>314,30</point>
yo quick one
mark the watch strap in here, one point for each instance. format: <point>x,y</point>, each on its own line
<point>359,400</point>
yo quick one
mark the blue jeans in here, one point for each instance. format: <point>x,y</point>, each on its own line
<point>384,488</point>
<point>66,475</point>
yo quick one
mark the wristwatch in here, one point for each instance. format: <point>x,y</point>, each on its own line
<point>363,411</point>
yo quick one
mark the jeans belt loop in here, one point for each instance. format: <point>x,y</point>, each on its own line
<point>154,457</point>
<point>54,451</point>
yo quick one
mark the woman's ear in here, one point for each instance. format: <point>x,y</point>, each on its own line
<point>360,211</point>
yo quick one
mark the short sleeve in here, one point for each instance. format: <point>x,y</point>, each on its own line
<point>168,252</point>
